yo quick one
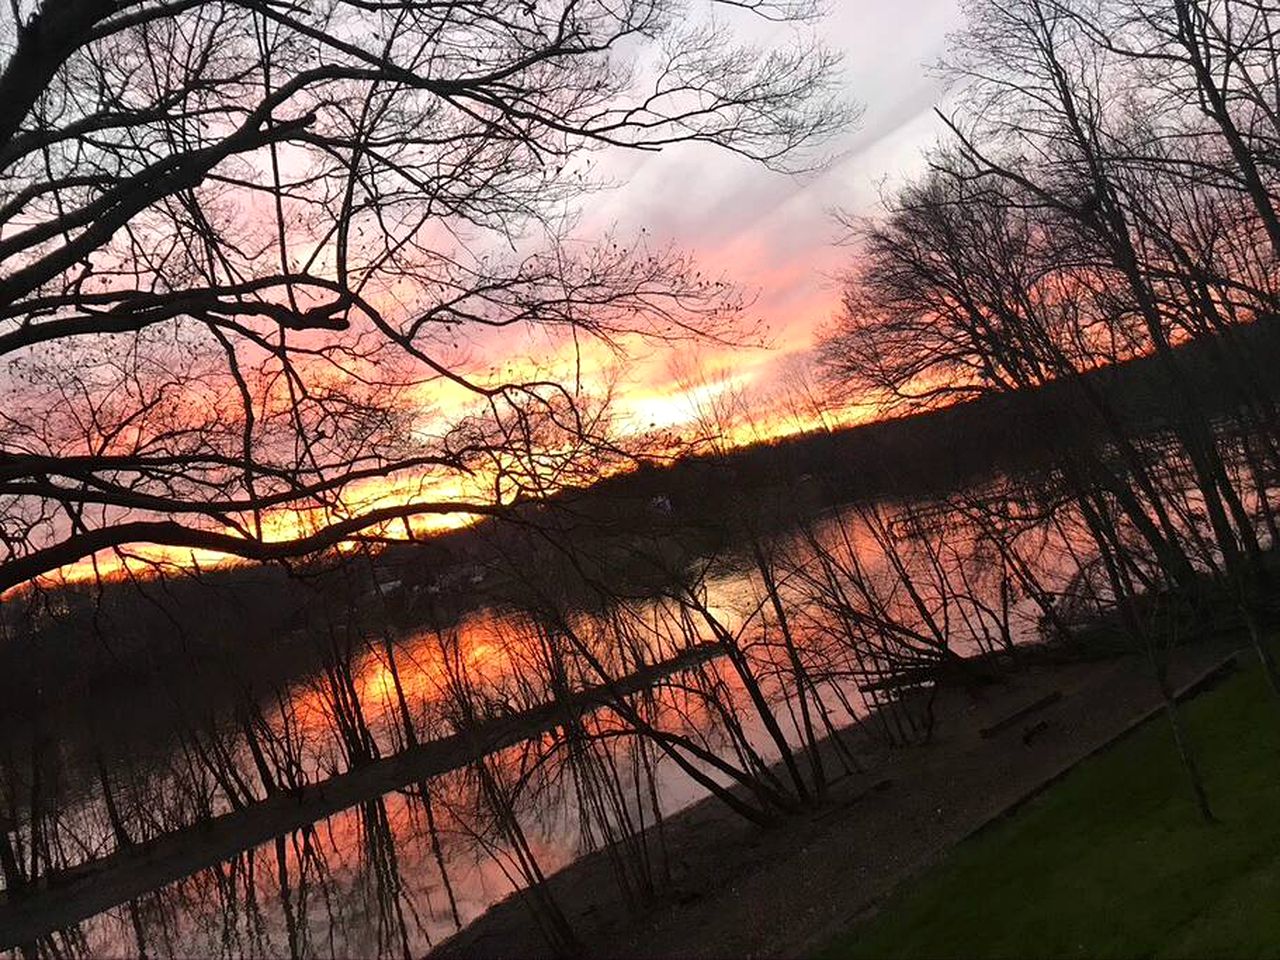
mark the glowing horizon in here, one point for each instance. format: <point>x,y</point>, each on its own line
<point>647,415</point>
<point>772,234</point>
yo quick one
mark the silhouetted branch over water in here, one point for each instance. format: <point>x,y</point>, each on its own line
<point>62,899</point>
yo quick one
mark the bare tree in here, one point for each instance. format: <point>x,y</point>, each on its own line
<point>247,247</point>
<point>1105,196</point>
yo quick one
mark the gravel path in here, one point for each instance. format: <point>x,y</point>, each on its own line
<point>739,891</point>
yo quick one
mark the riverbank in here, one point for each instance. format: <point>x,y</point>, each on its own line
<point>1134,871</point>
<point>743,892</point>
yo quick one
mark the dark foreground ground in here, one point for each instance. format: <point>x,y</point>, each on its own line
<point>808,886</point>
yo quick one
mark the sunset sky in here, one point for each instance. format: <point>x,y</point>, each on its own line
<point>774,233</point>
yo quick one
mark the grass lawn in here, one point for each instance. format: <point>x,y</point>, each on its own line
<point>1113,861</point>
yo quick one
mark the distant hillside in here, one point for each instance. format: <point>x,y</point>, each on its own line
<point>910,456</point>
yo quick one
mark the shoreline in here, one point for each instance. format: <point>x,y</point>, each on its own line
<point>741,891</point>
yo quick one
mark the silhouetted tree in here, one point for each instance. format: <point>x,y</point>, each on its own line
<point>245,245</point>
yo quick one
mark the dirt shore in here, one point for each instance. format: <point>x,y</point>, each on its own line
<point>739,891</point>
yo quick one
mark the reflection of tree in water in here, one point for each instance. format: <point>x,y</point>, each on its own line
<point>853,616</point>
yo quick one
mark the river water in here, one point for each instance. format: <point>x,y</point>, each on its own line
<point>396,874</point>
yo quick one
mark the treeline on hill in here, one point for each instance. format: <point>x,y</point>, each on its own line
<point>939,450</point>
<point>255,616</point>
<point>697,502</point>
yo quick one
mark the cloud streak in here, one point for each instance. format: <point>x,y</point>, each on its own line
<point>775,234</point>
